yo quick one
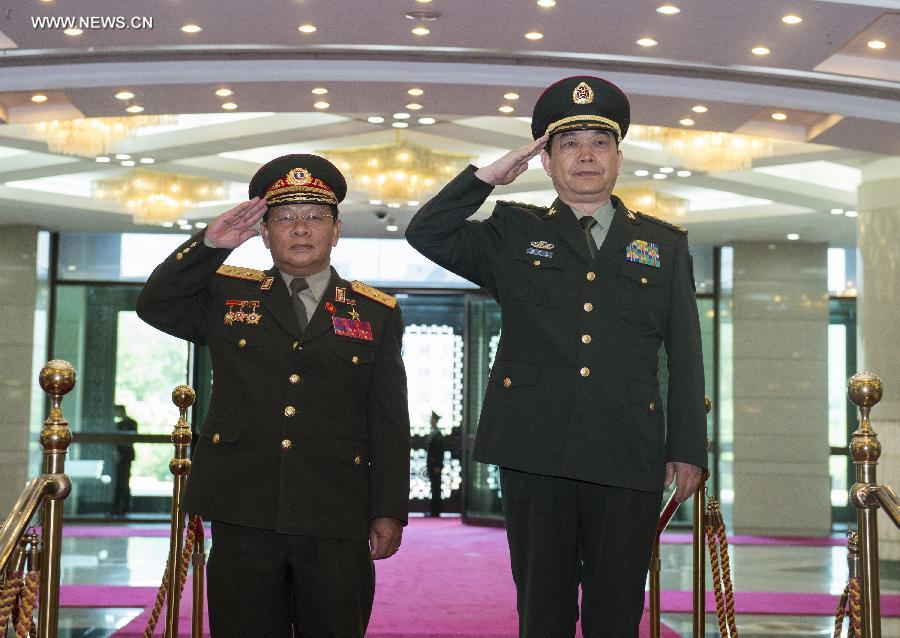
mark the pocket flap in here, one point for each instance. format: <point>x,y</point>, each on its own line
<point>511,374</point>
<point>643,394</point>
<point>242,338</point>
<point>352,451</point>
<point>354,351</point>
<point>222,430</point>
<point>643,274</point>
<point>538,262</point>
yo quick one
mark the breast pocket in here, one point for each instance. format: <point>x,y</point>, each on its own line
<point>641,294</point>
<point>354,354</point>
<point>245,338</point>
<point>535,279</point>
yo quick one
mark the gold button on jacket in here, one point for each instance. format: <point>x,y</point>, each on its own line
<point>290,411</point>
<point>287,444</point>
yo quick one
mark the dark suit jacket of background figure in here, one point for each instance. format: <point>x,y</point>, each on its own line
<point>126,451</point>
<point>435,451</point>
<point>306,433</point>
<point>573,391</point>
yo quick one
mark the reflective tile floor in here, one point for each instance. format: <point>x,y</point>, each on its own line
<point>140,561</point>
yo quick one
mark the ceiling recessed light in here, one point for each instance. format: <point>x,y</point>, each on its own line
<point>103,159</point>
<point>399,124</point>
<point>393,205</point>
<point>647,42</point>
<point>307,28</point>
<point>401,116</point>
<point>659,176</point>
<point>199,224</point>
<point>760,50</point>
<point>792,19</point>
<point>667,169</point>
<point>415,91</point>
<point>641,172</point>
<point>167,224</point>
<point>510,96</point>
<point>683,173</point>
<point>877,44</point>
<point>793,236</point>
<point>134,108</point>
<point>412,106</point>
<point>851,213</point>
<point>124,95</point>
<point>392,228</point>
<point>686,122</point>
<point>127,162</point>
<point>73,31</point>
<point>423,1</point>
<point>123,156</point>
<point>224,92</point>
<point>148,160</point>
<point>837,211</point>
<point>319,90</point>
<point>779,116</point>
<point>321,105</point>
<point>699,108</point>
<point>229,106</point>
<point>668,9</point>
<point>191,28</point>
<point>546,3</point>
<point>534,35</point>
<point>506,108</point>
<point>420,30</point>
<point>375,119</point>
<point>413,202</point>
<point>375,202</point>
<point>426,120</point>
<point>38,98</point>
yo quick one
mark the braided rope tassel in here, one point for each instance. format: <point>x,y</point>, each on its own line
<point>841,611</point>
<point>27,600</point>
<point>855,610</point>
<point>714,568</point>
<point>164,585</point>
<point>726,576</point>
<point>8,599</point>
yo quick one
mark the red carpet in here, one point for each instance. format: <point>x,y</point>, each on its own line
<point>451,580</point>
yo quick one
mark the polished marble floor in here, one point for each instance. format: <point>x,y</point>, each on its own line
<point>139,562</point>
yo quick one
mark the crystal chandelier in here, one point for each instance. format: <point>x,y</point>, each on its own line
<point>153,197</point>
<point>647,199</point>
<point>91,136</point>
<point>398,173</point>
<point>706,151</point>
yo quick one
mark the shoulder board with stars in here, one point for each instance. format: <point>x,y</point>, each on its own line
<point>678,229</point>
<point>373,293</point>
<point>237,272</point>
<point>534,207</point>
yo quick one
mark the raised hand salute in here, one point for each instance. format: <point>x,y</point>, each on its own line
<point>506,169</point>
<point>234,227</point>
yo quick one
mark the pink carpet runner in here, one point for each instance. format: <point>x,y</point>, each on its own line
<point>450,580</point>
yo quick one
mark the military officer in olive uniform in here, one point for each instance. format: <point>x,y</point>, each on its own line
<point>302,463</point>
<point>589,290</point>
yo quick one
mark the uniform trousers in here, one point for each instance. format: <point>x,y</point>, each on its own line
<point>562,533</point>
<point>262,583</point>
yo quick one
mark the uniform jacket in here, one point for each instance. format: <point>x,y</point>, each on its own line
<point>306,433</point>
<point>574,390</point>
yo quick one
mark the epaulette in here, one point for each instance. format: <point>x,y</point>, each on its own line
<point>678,229</point>
<point>373,293</point>
<point>237,272</point>
<point>534,207</point>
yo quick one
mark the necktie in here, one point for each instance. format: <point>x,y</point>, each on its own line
<point>589,222</point>
<point>298,284</point>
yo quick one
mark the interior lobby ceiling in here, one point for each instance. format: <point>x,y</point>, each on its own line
<point>840,95</point>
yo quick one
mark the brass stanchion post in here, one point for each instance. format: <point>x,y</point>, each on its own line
<point>199,560</point>
<point>699,558</point>
<point>865,390</point>
<point>183,396</point>
<point>56,378</point>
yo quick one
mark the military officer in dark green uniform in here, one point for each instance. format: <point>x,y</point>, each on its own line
<point>589,290</point>
<point>302,463</point>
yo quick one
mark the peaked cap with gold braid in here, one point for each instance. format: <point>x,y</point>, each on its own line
<point>581,102</point>
<point>299,179</point>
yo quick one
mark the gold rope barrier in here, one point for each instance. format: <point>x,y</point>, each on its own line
<point>850,597</point>
<point>720,565</point>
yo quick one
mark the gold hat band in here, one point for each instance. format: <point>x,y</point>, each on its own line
<point>591,118</point>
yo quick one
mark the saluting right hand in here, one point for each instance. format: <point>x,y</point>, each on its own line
<point>506,169</point>
<point>233,228</point>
